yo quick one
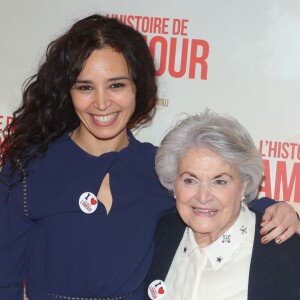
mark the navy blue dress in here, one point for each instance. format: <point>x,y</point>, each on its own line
<point>65,253</point>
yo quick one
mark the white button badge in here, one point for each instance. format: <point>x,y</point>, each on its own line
<point>157,290</point>
<point>88,202</point>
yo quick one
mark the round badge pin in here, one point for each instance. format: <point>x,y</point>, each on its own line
<point>157,290</point>
<point>88,202</point>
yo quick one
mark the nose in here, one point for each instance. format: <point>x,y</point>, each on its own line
<point>204,193</point>
<point>102,100</point>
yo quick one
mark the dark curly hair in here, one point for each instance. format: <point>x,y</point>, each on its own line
<point>46,111</point>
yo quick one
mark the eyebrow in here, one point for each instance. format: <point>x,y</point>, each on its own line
<point>222,174</point>
<point>109,80</point>
<point>195,176</point>
<point>187,173</point>
<point>83,81</point>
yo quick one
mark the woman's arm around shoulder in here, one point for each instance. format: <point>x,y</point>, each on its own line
<point>280,220</point>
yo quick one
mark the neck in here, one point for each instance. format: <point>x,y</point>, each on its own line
<point>96,146</point>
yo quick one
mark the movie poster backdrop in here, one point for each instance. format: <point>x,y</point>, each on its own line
<point>241,58</point>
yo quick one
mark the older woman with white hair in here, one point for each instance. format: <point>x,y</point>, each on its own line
<point>212,250</point>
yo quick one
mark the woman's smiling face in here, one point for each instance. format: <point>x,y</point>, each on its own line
<point>208,194</point>
<point>104,98</point>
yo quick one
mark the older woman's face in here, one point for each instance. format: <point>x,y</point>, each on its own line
<point>208,194</point>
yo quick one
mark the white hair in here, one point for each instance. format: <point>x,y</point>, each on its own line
<point>223,135</point>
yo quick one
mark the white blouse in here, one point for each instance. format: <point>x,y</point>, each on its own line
<point>219,271</point>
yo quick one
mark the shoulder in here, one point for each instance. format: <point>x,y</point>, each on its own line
<point>171,220</point>
<point>60,147</point>
<point>143,152</point>
<point>6,168</point>
<point>8,176</point>
<point>145,146</point>
<point>170,228</point>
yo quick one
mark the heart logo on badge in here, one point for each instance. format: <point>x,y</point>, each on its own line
<point>93,201</point>
<point>157,290</point>
<point>88,202</point>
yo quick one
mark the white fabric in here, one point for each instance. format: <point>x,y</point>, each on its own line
<point>219,271</point>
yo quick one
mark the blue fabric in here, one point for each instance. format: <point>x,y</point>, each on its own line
<point>262,203</point>
<point>63,251</point>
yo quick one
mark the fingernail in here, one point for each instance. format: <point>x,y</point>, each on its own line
<point>278,241</point>
<point>264,240</point>
<point>263,231</point>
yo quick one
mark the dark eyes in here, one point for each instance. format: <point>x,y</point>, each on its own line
<point>90,88</point>
<point>220,181</point>
<point>84,87</point>
<point>117,85</point>
<point>189,180</point>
